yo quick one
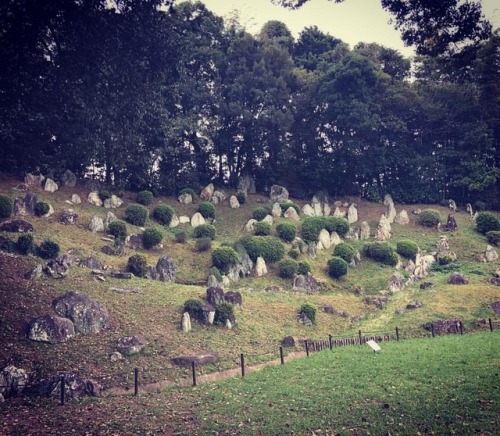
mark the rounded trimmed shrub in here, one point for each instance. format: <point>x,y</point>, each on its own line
<point>287,268</point>
<point>194,308</point>
<point>493,237</point>
<point>26,244</point>
<point>41,208</point>
<point>270,248</point>
<point>163,213</point>
<point>224,258</point>
<point>304,267</point>
<point>337,267</point>
<point>144,197</point>
<point>381,252</point>
<point>242,197</point>
<point>294,253</point>
<point>181,237</point>
<point>136,214</point>
<point>345,251</point>
<point>312,226</point>
<point>286,231</point>
<point>118,229</point>
<point>286,205</point>
<point>262,229</point>
<point>259,213</point>
<point>224,311</point>
<point>189,191</point>
<point>151,237</point>
<point>487,222</point>
<point>6,206</point>
<point>48,249</point>
<point>309,310</point>
<point>203,244</point>
<point>205,231</point>
<point>137,265</point>
<point>206,209</point>
<point>104,195</point>
<point>429,218</point>
<point>407,248</point>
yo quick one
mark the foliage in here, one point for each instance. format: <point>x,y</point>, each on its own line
<point>345,251</point>
<point>269,248</point>
<point>259,213</point>
<point>224,258</point>
<point>304,267</point>
<point>445,259</point>
<point>381,252</point>
<point>493,237</point>
<point>189,191</point>
<point>262,228</point>
<point>163,213</point>
<point>26,244</point>
<point>407,248</point>
<point>144,197</point>
<point>203,244</point>
<point>104,195</point>
<point>224,311</point>
<point>487,222</point>
<point>242,197</point>
<point>312,226</point>
<point>5,206</point>
<point>151,237</point>
<point>136,214</point>
<point>286,231</point>
<point>138,265</point>
<point>206,209</point>
<point>294,253</point>
<point>205,231</point>
<point>214,271</point>
<point>194,308</point>
<point>48,249</point>
<point>337,267</point>
<point>41,208</point>
<point>287,204</point>
<point>429,218</point>
<point>7,245</point>
<point>309,310</point>
<point>287,268</point>
<point>181,237</point>
<point>118,229</point>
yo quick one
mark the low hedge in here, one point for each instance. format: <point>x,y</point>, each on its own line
<point>271,249</point>
<point>381,252</point>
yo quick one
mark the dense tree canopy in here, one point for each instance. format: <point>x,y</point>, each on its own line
<point>151,95</point>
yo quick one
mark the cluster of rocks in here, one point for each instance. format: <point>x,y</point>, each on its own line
<point>409,306</point>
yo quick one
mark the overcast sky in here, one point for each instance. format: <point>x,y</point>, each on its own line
<point>352,21</point>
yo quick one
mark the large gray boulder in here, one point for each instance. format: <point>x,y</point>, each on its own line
<point>88,315</point>
<point>16,226</point>
<point>96,224</point>
<point>207,192</point>
<point>305,283</point>
<point>75,387</point>
<point>391,210</point>
<point>233,202</point>
<point>51,329</point>
<point>129,345</point>
<point>50,186</point>
<point>199,358</point>
<point>246,184</point>
<point>291,214</point>
<point>68,178</point>
<point>134,241</point>
<point>164,271</point>
<point>33,180</point>
<point>12,381</point>
<point>93,198</point>
<point>30,201</point>
<point>215,296</point>
<point>57,268</point>
<point>243,268</point>
<point>69,217</point>
<point>197,220</point>
<point>278,194</point>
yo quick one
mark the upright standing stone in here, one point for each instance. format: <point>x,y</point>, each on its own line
<point>197,220</point>
<point>276,210</point>
<point>207,192</point>
<point>278,194</point>
<point>352,214</point>
<point>402,218</point>
<point>186,322</point>
<point>68,178</point>
<point>365,231</point>
<point>51,186</point>
<point>260,267</point>
<point>75,199</point>
<point>291,214</point>
<point>233,202</point>
<point>96,224</point>
<point>391,210</point>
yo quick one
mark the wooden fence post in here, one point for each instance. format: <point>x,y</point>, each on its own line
<point>307,348</point>
<point>242,359</point>
<point>360,336</point>
<point>193,367</point>
<point>136,382</point>
<point>461,327</point>
<point>491,324</point>
<point>432,330</point>
<point>330,341</point>
<point>282,358</point>
<point>397,334</point>
<point>63,388</point>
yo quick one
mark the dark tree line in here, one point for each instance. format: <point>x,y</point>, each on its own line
<point>166,97</point>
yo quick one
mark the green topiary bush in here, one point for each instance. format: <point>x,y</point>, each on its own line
<point>345,251</point>
<point>429,218</point>
<point>312,226</point>
<point>214,271</point>
<point>144,197</point>
<point>287,268</point>
<point>309,310</point>
<point>262,228</point>
<point>286,231</point>
<point>163,213</point>
<point>487,222</point>
<point>118,229</point>
<point>203,244</point>
<point>181,237</point>
<point>194,308</point>
<point>5,206</point>
<point>259,213</point>
<point>270,248</point>
<point>48,249</point>
<point>7,245</point>
<point>137,265</point>
<point>189,191</point>
<point>294,253</point>
<point>41,208</point>
<point>286,205</point>
<point>223,312</point>
<point>26,244</point>
<point>337,267</point>
<point>304,267</point>
<point>206,209</point>
<point>493,237</point>
<point>136,214</point>
<point>407,248</point>
<point>242,197</point>
<point>381,252</point>
<point>151,237</point>
<point>104,195</point>
<point>205,231</point>
<point>224,258</point>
